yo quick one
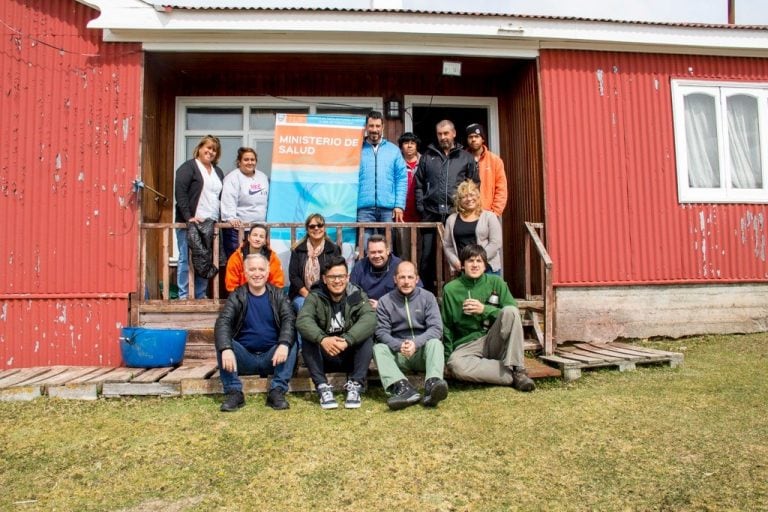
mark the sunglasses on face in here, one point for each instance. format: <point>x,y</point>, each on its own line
<point>315,226</point>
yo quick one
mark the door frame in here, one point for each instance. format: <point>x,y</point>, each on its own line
<point>490,103</point>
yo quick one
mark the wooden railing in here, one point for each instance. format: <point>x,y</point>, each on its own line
<point>535,233</point>
<point>161,235</point>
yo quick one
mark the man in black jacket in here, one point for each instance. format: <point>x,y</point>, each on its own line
<point>255,336</point>
<point>439,172</point>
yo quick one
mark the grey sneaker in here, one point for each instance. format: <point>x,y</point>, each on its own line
<point>353,394</point>
<point>402,395</point>
<point>326,397</point>
<point>521,381</point>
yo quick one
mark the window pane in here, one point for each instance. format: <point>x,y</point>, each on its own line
<point>701,141</point>
<point>264,118</point>
<point>744,142</point>
<point>264,150</point>
<point>201,118</point>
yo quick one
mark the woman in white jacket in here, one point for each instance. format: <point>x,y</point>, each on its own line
<point>472,225</point>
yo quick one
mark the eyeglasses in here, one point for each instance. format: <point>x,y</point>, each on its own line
<point>336,277</point>
<point>315,226</point>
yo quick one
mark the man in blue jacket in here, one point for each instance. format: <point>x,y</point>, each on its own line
<point>383,180</point>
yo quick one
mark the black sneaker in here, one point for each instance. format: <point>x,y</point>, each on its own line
<point>403,395</point>
<point>435,390</point>
<point>233,401</point>
<point>276,399</point>
<point>521,381</point>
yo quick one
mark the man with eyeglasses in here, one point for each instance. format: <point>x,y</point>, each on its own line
<point>376,273</point>
<point>337,324</point>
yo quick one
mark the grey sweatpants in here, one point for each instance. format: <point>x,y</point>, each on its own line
<point>491,358</point>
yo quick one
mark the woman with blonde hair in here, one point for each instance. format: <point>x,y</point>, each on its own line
<point>472,225</point>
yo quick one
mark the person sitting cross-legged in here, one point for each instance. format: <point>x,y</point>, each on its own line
<point>255,336</point>
<point>483,333</point>
<point>408,333</point>
<point>336,324</point>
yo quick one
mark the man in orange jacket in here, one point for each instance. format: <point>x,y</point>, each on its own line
<point>493,179</point>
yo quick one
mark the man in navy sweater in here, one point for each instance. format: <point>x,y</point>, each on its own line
<point>375,275</point>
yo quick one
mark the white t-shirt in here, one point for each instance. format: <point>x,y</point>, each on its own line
<point>209,204</point>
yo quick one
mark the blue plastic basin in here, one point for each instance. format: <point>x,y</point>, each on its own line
<point>143,347</point>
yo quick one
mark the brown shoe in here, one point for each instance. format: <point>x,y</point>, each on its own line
<point>521,381</point>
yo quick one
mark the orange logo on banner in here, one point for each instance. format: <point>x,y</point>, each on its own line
<point>316,145</point>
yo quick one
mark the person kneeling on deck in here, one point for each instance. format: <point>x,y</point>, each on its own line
<point>337,324</point>
<point>408,333</point>
<point>255,336</point>
<point>483,333</point>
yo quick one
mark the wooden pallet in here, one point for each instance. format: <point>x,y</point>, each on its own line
<point>192,378</point>
<point>573,358</point>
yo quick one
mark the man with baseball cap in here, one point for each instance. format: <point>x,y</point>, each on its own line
<point>493,180</point>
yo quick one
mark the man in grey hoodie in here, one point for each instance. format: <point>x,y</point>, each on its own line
<point>408,332</point>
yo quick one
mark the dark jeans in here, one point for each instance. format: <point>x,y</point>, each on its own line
<point>354,361</point>
<point>259,363</point>
<point>428,260</point>
<point>231,239</point>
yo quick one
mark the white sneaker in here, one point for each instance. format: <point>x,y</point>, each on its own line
<point>353,394</point>
<point>326,397</point>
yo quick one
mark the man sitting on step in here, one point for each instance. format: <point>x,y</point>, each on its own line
<point>483,333</point>
<point>408,333</point>
<point>255,336</point>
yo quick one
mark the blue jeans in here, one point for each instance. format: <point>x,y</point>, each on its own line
<point>231,239</point>
<point>372,214</point>
<point>298,303</point>
<point>182,270</point>
<point>249,363</point>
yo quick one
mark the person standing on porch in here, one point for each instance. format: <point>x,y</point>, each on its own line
<point>197,191</point>
<point>490,168</point>
<point>482,329</point>
<point>409,147</point>
<point>254,335</point>
<point>243,199</point>
<point>383,180</point>
<point>337,325</point>
<point>408,332</point>
<point>440,171</point>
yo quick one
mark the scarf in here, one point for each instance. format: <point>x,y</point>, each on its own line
<point>312,267</point>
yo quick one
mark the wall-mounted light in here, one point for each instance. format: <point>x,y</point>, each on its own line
<point>392,109</point>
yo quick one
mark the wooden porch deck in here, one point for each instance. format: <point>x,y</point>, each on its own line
<point>196,377</point>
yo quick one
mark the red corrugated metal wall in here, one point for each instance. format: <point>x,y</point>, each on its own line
<point>70,124</point>
<point>611,192</point>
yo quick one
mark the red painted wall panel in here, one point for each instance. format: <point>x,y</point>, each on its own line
<point>611,189</point>
<point>71,113</point>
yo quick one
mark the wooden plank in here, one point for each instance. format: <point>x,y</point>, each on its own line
<point>80,391</point>
<point>20,393</point>
<point>579,355</point>
<point>39,380</point>
<point>71,373</point>
<point>536,319</point>
<point>647,350</point>
<point>118,389</point>
<point>152,375</point>
<point>122,374</point>
<point>7,373</point>
<point>91,376</point>
<point>538,370</point>
<point>603,349</point>
<point>201,371</point>
<point>629,352</point>
<point>563,362</point>
<point>22,375</point>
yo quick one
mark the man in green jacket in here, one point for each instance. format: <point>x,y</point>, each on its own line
<point>336,325</point>
<point>482,330</point>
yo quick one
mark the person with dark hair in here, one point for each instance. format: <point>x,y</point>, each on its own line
<point>337,325</point>
<point>257,242</point>
<point>244,198</point>
<point>440,171</point>
<point>308,258</point>
<point>482,329</point>
<point>254,335</point>
<point>376,273</point>
<point>490,168</point>
<point>408,333</point>
<point>409,147</point>
<point>197,190</point>
<point>383,179</point>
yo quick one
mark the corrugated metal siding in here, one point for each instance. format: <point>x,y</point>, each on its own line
<point>43,332</point>
<point>611,190</point>
<point>70,123</point>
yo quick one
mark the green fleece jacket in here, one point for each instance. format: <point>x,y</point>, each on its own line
<point>314,319</point>
<point>459,328</point>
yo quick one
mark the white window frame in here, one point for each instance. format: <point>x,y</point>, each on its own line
<point>720,91</point>
<point>491,104</point>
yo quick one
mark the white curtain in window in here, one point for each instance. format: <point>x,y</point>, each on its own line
<point>701,141</point>
<point>744,141</point>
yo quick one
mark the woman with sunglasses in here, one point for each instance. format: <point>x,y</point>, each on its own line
<point>197,190</point>
<point>308,259</point>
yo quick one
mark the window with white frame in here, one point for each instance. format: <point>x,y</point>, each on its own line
<point>721,131</point>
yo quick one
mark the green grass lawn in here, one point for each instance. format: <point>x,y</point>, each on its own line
<point>691,438</point>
